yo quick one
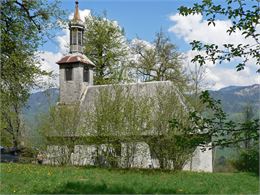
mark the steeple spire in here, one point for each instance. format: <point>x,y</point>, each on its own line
<point>76,13</point>
<point>76,27</point>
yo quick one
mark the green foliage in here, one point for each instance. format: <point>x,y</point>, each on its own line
<point>28,179</point>
<point>106,47</point>
<point>244,17</point>
<point>117,116</point>
<point>24,25</point>
<point>170,142</point>
<point>158,62</point>
<point>62,120</point>
<point>215,123</point>
<point>130,112</point>
<point>61,126</point>
<point>248,160</point>
<point>120,115</point>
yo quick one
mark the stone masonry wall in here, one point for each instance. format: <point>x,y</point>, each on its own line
<point>85,155</point>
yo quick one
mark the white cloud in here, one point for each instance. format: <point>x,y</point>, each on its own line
<point>48,63</point>
<point>225,77</point>
<point>63,41</point>
<point>194,27</point>
<point>222,75</point>
<point>49,60</point>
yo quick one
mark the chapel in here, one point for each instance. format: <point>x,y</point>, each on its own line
<point>76,72</point>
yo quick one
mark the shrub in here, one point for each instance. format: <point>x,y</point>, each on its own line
<point>248,160</point>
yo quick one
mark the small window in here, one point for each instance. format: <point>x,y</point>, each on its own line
<point>74,37</point>
<point>70,37</point>
<point>80,37</point>
<point>68,74</point>
<point>86,75</point>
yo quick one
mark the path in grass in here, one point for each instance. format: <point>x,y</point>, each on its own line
<point>26,178</point>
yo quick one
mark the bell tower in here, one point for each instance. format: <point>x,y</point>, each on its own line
<point>75,69</point>
<point>76,28</point>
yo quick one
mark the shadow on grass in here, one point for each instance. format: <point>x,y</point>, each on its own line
<point>102,188</point>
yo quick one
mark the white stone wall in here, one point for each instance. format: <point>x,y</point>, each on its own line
<point>140,157</point>
<point>83,155</point>
<point>201,161</point>
<point>56,155</point>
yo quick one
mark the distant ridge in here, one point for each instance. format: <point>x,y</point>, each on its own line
<point>39,103</point>
<point>233,99</point>
<point>234,88</point>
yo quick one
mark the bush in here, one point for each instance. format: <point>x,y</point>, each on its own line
<point>248,160</point>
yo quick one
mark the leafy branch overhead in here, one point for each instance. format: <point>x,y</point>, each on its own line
<point>244,16</point>
<point>214,123</point>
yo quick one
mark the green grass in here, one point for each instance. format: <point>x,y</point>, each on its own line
<point>27,178</point>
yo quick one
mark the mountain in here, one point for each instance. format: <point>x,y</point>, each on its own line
<point>39,103</point>
<point>233,99</point>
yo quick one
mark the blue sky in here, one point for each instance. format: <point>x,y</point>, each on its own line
<point>139,18</point>
<point>146,17</point>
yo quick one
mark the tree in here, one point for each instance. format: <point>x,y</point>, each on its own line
<point>24,27</point>
<point>248,159</point>
<point>248,116</point>
<point>61,126</point>
<point>197,76</point>
<point>105,46</point>
<point>158,62</point>
<point>213,122</point>
<point>244,15</point>
<point>121,130</point>
<point>244,18</point>
<point>197,81</point>
<point>174,137</point>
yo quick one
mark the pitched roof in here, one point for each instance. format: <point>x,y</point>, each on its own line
<point>146,89</point>
<point>74,58</point>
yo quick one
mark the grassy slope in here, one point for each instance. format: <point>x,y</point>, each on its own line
<point>18,178</point>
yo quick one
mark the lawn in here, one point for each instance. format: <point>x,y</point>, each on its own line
<point>37,179</point>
